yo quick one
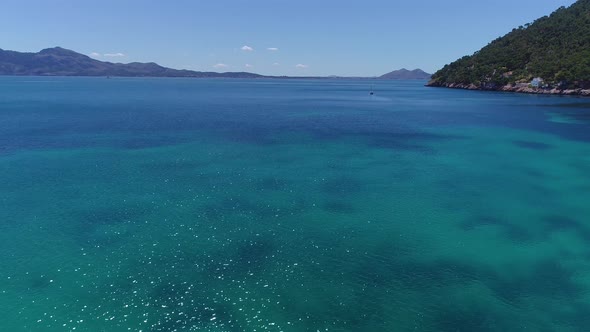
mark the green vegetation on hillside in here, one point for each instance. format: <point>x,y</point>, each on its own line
<point>555,48</point>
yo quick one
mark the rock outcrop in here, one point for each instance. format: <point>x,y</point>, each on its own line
<point>519,88</point>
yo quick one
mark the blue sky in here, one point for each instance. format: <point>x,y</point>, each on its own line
<point>275,37</point>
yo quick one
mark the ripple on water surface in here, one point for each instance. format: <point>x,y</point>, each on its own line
<point>207,209</point>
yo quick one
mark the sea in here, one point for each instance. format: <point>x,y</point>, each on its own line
<point>176,204</point>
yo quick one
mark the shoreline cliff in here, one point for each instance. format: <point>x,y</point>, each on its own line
<point>516,88</point>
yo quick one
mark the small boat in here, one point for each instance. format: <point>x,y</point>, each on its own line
<point>371,91</point>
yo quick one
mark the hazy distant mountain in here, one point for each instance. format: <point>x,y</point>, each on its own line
<point>58,61</point>
<point>404,74</point>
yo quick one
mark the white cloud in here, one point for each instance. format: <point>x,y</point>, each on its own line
<point>249,65</point>
<point>114,54</point>
<point>276,64</point>
<point>247,48</point>
<point>301,66</point>
<point>274,49</point>
<point>220,65</point>
<point>95,55</point>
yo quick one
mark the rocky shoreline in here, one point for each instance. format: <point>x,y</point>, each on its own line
<point>515,88</point>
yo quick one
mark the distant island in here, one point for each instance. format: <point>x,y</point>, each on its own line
<point>58,61</point>
<point>404,74</point>
<point>549,56</point>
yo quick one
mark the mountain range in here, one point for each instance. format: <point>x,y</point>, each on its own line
<point>59,61</point>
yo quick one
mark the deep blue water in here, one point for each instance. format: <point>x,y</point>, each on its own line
<point>290,205</point>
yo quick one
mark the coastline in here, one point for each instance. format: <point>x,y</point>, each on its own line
<point>515,89</point>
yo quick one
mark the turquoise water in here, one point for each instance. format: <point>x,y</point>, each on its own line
<point>277,205</point>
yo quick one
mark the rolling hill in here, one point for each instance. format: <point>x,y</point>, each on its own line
<point>550,54</point>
